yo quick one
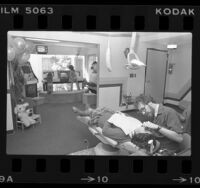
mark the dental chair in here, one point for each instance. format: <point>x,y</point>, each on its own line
<point>108,146</point>
<point>185,145</point>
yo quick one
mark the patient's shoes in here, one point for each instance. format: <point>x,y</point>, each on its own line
<point>84,119</point>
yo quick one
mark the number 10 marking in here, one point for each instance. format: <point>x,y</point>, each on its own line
<point>103,179</point>
<point>195,180</point>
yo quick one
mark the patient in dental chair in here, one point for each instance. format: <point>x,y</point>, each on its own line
<point>126,130</point>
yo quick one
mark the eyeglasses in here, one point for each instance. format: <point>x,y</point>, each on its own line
<point>143,110</point>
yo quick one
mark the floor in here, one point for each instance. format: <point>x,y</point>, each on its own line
<point>60,133</point>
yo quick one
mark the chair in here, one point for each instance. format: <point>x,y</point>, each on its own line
<point>36,117</point>
<point>185,119</point>
<point>185,146</point>
<point>97,131</point>
<point>109,146</point>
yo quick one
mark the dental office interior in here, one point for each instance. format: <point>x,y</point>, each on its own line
<point>164,74</point>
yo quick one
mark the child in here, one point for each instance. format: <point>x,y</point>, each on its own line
<point>73,77</point>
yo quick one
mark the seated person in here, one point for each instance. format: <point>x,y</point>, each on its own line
<point>163,122</point>
<point>138,136</point>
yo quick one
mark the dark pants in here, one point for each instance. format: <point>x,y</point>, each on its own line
<point>45,86</point>
<point>49,87</point>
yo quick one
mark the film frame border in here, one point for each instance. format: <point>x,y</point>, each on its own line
<point>64,169</point>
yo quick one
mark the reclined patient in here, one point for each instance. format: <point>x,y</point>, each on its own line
<point>126,130</point>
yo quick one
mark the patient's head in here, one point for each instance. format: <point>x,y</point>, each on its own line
<point>145,141</point>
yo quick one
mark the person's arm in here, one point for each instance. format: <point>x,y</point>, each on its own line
<point>170,134</point>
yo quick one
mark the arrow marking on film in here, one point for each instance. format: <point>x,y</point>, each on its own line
<point>89,179</point>
<point>180,180</point>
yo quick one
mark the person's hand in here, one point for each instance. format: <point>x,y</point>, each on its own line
<point>150,125</point>
<point>140,130</point>
<point>131,134</point>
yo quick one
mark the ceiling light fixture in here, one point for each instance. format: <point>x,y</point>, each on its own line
<point>45,40</point>
<point>172,46</point>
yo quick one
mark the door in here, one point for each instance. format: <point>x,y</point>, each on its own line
<point>156,74</point>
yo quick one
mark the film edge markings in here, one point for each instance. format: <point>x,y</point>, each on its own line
<point>16,168</point>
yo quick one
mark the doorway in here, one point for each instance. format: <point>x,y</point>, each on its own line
<point>55,107</point>
<point>155,74</point>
